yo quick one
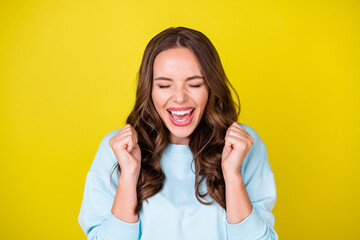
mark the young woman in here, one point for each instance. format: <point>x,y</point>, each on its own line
<point>186,169</point>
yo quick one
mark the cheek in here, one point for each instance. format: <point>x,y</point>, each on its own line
<point>159,99</point>
<point>202,98</point>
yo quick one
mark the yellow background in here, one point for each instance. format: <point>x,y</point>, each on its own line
<point>67,72</point>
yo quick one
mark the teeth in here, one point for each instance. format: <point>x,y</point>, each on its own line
<point>181,112</point>
<point>181,120</point>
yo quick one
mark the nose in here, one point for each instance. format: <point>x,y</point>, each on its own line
<point>180,95</point>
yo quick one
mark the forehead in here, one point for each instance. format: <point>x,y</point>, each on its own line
<point>176,62</point>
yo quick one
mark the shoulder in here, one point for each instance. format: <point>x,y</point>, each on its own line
<point>256,162</point>
<point>258,142</point>
<point>104,144</point>
<point>250,130</point>
<point>105,158</point>
<point>108,135</point>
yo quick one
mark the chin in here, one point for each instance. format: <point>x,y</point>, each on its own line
<point>181,134</point>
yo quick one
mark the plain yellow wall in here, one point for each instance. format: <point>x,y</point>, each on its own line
<point>67,72</point>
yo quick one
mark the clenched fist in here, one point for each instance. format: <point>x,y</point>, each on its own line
<point>237,144</point>
<point>127,151</point>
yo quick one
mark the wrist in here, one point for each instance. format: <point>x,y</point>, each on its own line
<point>128,178</point>
<point>232,176</point>
<point>231,171</point>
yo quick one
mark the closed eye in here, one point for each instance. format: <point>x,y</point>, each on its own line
<point>167,86</point>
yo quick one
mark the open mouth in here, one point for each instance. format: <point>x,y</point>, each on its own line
<point>181,117</point>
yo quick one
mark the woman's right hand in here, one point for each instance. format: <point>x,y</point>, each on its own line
<point>127,151</point>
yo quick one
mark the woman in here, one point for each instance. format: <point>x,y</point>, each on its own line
<point>202,174</point>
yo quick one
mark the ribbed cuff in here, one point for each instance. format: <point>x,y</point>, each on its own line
<point>245,229</point>
<point>114,229</point>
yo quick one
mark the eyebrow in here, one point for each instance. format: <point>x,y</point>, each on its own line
<point>189,78</point>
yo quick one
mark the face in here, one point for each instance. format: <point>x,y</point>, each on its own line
<point>179,92</point>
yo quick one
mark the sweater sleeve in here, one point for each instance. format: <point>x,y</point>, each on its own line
<point>95,217</point>
<point>260,185</point>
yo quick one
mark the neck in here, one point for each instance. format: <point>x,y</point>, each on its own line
<point>179,141</point>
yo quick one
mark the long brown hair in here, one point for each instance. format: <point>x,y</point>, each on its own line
<point>206,141</point>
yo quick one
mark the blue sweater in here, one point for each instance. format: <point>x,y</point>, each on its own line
<point>175,213</point>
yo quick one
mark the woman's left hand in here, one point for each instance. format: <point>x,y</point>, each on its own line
<point>237,144</point>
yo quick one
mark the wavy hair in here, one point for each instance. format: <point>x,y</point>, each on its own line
<point>206,141</point>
